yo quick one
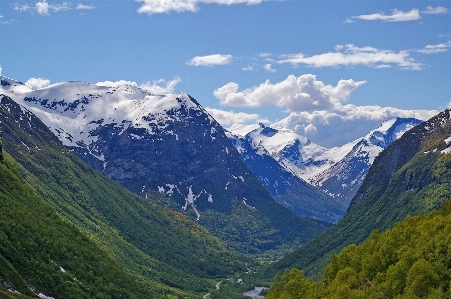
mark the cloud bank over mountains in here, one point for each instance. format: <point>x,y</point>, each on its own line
<point>317,110</point>
<point>301,93</point>
<point>345,123</point>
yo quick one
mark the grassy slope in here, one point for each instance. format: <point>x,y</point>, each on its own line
<point>35,242</point>
<point>401,182</point>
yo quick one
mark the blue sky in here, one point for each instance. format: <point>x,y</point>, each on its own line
<point>329,70</point>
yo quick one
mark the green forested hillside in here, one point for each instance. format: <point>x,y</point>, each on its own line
<point>163,250</point>
<point>412,260</point>
<point>41,249</point>
<point>410,177</point>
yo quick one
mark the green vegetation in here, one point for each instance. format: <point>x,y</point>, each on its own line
<point>410,177</point>
<point>51,254</point>
<point>412,260</point>
<point>162,250</point>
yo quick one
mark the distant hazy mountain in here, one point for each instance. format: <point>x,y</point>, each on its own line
<point>411,176</point>
<point>169,144</point>
<point>338,171</point>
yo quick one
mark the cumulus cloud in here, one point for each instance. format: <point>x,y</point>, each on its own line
<point>269,68</point>
<point>82,6</point>
<point>161,86</point>
<point>434,11</point>
<point>151,7</point>
<point>350,55</point>
<point>42,7</point>
<point>227,118</point>
<point>302,93</point>
<point>37,83</point>
<point>396,16</point>
<point>116,83</point>
<point>344,123</point>
<point>210,60</point>
<point>434,49</point>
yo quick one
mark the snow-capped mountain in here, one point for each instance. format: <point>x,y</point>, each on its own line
<point>285,187</point>
<point>167,144</point>
<point>343,178</point>
<point>337,171</point>
<point>110,127</point>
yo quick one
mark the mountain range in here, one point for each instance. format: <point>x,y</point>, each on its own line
<point>171,145</point>
<point>63,217</point>
<point>294,170</point>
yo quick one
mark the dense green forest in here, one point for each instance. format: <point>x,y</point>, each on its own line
<point>162,250</point>
<point>412,260</point>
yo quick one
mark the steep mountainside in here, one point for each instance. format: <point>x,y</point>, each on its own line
<point>285,187</point>
<point>41,253</point>
<point>338,171</point>
<point>163,250</point>
<point>412,260</point>
<point>410,177</point>
<point>169,144</point>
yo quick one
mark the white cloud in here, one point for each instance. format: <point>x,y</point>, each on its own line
<point>344,123</point>
<point>248,68</point>
<point>60,7</point>
<point>210,60</point>
<point>42,7</point>
<point>302,93</point>
<point>1,70</point>
<point>160,86</point>
<point>82,6</point>
<point>226,118</point>
<point>347,21</point>
<point>116,83</point>
<point>350,55</point>
<point>268,68</point>
<point>37,83</point>
<point>434,11</point>
<point>396,16</point>
<point>151,7</point>
<point>156,88</point>
<point>433,49</point>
